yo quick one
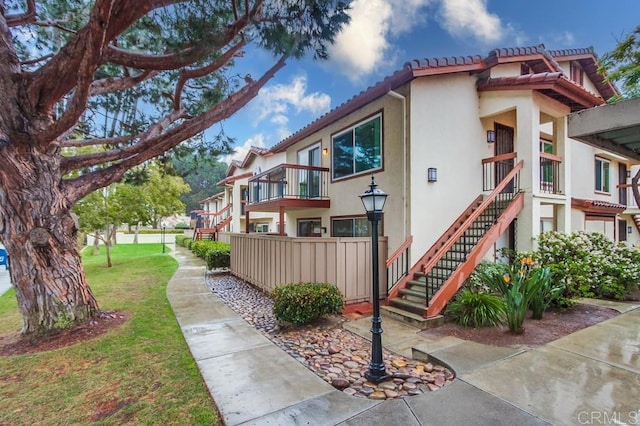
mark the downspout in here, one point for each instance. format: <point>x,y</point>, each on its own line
<point>404,159</point>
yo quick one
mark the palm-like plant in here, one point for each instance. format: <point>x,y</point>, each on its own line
<point>519,286</point>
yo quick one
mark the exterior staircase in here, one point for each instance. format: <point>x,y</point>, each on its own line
<point>636,221</point>
<point>442,270</point>
<point>212,233</point>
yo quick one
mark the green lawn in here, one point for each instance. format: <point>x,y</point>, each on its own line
<point>140,373</point>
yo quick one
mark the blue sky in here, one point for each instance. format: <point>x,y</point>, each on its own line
<point>384,34</point>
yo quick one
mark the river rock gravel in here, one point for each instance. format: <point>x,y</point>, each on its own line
<point>338,356</point>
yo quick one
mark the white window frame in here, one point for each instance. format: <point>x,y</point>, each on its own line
<point>602,173</point>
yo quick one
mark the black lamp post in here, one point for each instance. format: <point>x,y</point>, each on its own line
<point>163,237</point>
<point>373,200</point>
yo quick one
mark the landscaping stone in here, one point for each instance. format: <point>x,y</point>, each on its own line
<point>338,356</point>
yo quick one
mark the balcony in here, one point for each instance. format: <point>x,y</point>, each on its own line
<point>290,186</point>
<point>550,173</point>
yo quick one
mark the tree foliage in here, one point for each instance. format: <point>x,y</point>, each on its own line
<point>622,64</point>
<point>93,89</point>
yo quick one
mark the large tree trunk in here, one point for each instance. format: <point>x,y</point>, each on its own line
<point>39,232</point>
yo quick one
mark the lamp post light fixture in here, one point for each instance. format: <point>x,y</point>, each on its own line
<point>373,200</point>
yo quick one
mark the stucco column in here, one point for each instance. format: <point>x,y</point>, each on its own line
<point>528,149</point>
<point>563,144</point>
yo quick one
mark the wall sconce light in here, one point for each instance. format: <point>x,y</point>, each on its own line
<point>491,136</point>
<point>629,230</point>
<point>325,151</point>
<point>432,174</point>
<point>628,173</point>
<point>323,229</point>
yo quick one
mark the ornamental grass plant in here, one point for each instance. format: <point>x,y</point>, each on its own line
<point>477,309</point>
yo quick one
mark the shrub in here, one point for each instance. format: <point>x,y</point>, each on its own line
<point>589,265</point>
<point>180,240</point>
<point>218,257</point>
<point>476,281</point>
<point>181,225</point>
<point>217,254</point>
<point>475,309</point>
<point>301,303</point>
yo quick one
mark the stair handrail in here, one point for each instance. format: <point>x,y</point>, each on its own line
<point>396,254</point>
<point>472,218</point>
<point>397,265</point>
<point>222,211</point>
<point>392,292</point>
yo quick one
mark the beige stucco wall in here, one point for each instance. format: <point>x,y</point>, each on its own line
<point>446,133</point>
<point>344,194</point>
<point>234,193</point>
<point>586,81</point>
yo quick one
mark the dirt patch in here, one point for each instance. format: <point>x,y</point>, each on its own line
<point>15,344</point>
<point>555,324</point>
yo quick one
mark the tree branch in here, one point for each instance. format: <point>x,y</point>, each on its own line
<point>94,43</point>
<point>94,159</point>
<point>23,18</point>
<point>98,141</point>
<point>186,75</point>
<point>108,19</point>
<point>158,143</point>
<point>108,85</point>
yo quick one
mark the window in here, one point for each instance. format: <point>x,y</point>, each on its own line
<point>358,149</point>
<point>602,175</point>
<point>352,227</point>
<point>309,228</point>
<point>262,227</point>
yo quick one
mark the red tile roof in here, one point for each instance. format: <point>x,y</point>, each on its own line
<point>552,84</point>
<point>597,207</point>
<point>542,62</point>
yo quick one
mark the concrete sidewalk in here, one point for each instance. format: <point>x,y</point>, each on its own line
<point>589,375</point>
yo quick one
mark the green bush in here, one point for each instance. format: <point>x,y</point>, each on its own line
<point>155,231</point>
<point>217,254</point>
<point>181,225</point>
<point>218,258</point>
<point>180,240</point>
<point>589,265</point>
<point>476,309</point>
<point>302,303</point>
<point>476,281</point>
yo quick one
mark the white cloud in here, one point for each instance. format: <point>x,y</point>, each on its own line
<point>464,18</point>
<point>241,151</point>
<point>365,44</point>
<point>563,39</point>
<point>275,104</point>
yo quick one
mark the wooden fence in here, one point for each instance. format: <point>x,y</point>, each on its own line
<point>268,260</point>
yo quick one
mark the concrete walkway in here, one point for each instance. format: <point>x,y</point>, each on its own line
<point>583,378</point>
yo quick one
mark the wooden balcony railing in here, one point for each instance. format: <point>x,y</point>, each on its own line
<point>550,173</point>
<point>289,181</point>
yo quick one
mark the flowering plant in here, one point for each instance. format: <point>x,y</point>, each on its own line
<point>589,265</point>
<point>519,285</point>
